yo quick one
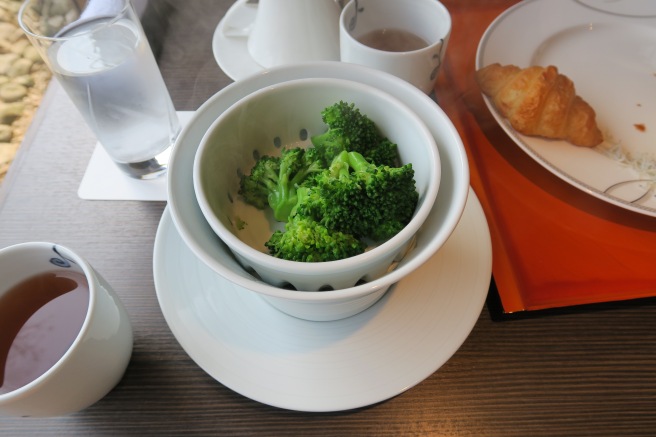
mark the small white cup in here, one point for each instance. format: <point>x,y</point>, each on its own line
<point>292,31</point>
<point>427,19</point>
<point>99,354</point>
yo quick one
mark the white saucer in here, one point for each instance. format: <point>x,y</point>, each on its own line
<point>230,38</point>
<point>268,356</point>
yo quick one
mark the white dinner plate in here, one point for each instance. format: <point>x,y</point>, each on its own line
<point>266,355</point>
<point>608,48</point>
<point>229,43</point>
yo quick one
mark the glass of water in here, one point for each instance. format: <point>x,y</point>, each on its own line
<point>97,50</point>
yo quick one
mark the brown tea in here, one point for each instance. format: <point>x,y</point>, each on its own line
<point>39,320</point>
<point>393,40</point>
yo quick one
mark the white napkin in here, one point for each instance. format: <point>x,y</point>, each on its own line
<point>104,181</point>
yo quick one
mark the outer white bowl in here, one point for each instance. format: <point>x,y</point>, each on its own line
<point>201,239</point>
<point>286,115</point>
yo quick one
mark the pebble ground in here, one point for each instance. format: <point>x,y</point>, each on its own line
<point>23,80</point>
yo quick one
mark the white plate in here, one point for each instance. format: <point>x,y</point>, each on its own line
<point>608,48</point>
<point>230,39</point>
<point>279,360</point>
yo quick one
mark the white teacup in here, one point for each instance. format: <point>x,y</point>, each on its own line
<point>85,350</point>
<point>292,31</point>
<point>383,34</point>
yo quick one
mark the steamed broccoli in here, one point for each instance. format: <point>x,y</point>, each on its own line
<point>350,130</point>
<point>255,188</point>
<point>274,180</point>
<point>359,198</point>
<point>307,240</point>
<point>344,190</point>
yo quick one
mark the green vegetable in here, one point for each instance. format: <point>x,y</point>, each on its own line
<point>306,240</point>
<point>274,180</point>
<point>350,130</point>
<point>344,190</point>
<point>359,198</point>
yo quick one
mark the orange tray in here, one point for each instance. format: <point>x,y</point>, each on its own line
<point>553,245</point>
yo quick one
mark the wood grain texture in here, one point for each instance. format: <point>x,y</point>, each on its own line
<point>585,372</point>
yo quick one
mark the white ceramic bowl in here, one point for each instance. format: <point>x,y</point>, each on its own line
<point>201,239</point>
<point>287,115</point>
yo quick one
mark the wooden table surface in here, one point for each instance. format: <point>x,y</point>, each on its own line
<point>579,372</point>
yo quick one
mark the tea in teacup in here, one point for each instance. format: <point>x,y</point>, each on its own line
<point>393,40</point>
<point>65,336</point>
<point>405,38</point>
<point>39,320</point>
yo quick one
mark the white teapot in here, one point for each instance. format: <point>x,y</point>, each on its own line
<point>293,31</point>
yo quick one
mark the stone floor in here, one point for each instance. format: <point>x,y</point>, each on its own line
<point>23,80</point>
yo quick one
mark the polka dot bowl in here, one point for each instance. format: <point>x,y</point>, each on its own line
<point>287,115</point>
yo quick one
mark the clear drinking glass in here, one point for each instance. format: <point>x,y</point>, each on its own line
<point>98,51</point>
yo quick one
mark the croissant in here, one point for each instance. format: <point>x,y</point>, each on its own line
<point>540,101</point>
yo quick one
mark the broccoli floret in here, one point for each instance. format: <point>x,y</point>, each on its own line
<point>274,180</point>
<point>346,189</point>
<point>306,240</point>
<point>255,188</point>
<point>350,130</point>
<point>358,198</point>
